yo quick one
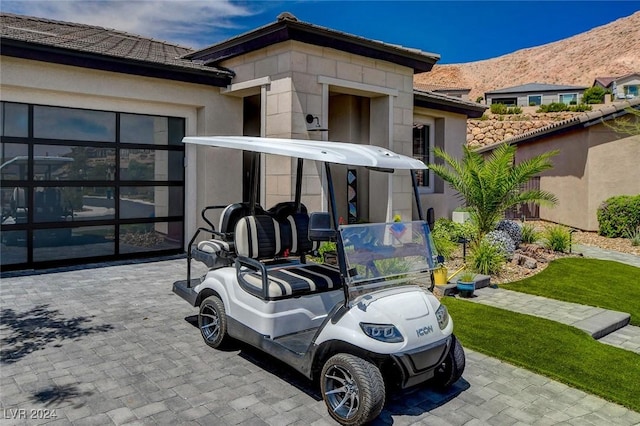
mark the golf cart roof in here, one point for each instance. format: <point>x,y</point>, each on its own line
<point>331,152</point>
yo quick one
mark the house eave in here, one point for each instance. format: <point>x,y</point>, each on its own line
<point>285,30</point>
<point>447,103</point>
<point>45,53</point>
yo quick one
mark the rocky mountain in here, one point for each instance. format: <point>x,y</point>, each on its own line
<point>610,50</point>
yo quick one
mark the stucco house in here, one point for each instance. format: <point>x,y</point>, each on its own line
<point>593,164</point>
<point>534,94</point>
<point>624,87</point>
<point>92,119</point>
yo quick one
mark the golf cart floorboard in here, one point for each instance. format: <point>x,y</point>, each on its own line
<point>186,291</point>
<point>297,342</point>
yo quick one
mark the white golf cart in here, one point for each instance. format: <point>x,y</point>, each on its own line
<point>363,325</point>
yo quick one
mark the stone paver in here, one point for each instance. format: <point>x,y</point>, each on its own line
<point>114,345</point>
<point>595,321</point>
<point>598,253</point>
<point>626,338</point>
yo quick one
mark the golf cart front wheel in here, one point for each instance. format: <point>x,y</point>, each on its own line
<point>212,322</point>
<point>352,389</point>
<point>453,366</point>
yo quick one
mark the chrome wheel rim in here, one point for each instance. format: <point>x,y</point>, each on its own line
<point>341,392</point>
<point>209,323</point>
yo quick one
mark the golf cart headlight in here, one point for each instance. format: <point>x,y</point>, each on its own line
<point>443,316</point>
<point>382,332</point>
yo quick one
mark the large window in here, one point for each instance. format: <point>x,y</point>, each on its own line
<point>534,100</point>
<point>631,91</point>
<point>568,98</point>
<point>82,185</point>
<point>422,150</point>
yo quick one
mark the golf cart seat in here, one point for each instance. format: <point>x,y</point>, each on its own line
<point>263,238</point>
<point>219,251</point>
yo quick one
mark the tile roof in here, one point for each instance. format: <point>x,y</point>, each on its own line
<point>97,40</point>
<point>583,120</point>
<point>437,87</point>
<point>604,81</point>
<point>288,27</point>
<point>535,87</point>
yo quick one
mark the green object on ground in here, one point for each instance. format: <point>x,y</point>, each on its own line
<point>600,283</point>
<point>555,350</point>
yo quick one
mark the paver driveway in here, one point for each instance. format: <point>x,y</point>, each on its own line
<point>114,345</point>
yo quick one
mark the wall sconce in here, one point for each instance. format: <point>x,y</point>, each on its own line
<point>317,128</point>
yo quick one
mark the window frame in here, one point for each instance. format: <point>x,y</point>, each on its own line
<point>529,99</point>
<point>560,95</point>
<point>429,124</point>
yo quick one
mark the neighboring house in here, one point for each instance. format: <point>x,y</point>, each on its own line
<point>625,87</point>
<point>534,94</point>
<point>456,92</point>
<point>119,105</point>
<point>594,163</point>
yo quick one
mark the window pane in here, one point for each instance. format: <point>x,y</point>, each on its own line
<point>14,161</point>
<point>14,120</point>
<point>14,205</point>
<point>14,247</point>
<point>150,201</point>
<point>144,129</point>
<point>73,124</point>
<point>421,151</point>
<point>568,98</point>
<point>53,162</point>
<point>65,204</point>
<point>535,100</point>
<point>88,241</point>
<point>150,237</point>
<point>151,164</point>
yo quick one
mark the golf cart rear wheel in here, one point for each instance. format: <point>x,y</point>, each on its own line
<point>212,322</point>
<point>352,389</point>
<point>452,368</point>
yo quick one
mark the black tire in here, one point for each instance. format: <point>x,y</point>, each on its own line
<point>352,389</point>
<point>212,322</point>
<point>452,368</point>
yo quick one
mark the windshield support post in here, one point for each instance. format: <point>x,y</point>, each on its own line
<point>342,262</point>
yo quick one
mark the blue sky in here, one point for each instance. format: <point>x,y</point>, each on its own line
<point>459,31</point>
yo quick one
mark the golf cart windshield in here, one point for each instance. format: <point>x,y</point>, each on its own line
<point>386,255</point>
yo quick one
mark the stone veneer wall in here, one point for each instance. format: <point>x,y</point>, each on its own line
<point>496,128</point>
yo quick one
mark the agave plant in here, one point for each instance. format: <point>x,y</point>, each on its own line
<point>489,186</point>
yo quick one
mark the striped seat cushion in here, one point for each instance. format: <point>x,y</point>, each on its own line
<point>214,246</point>
<point>293,281</point>
<point>300,242</point>
<point>258,237</point>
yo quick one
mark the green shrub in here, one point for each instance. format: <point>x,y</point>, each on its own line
<point>326,247</point>
<point>532,104</point>
<point>557,238</point>
<point>498,109</point>
<point>486,258</point>
<point>618,214</point>
<point>447,234</point>
<point>479,99</point>
<point>634,237</point>
<point>594,95</point>
<point>553,107</point>
<point>530,234</point>
<point>514,110</point>
<point>580,108</point>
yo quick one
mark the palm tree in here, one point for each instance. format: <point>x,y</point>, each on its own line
<point>490,186</point>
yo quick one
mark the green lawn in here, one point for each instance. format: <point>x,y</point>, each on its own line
<point>558,351</point>
<point>601,283</point>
